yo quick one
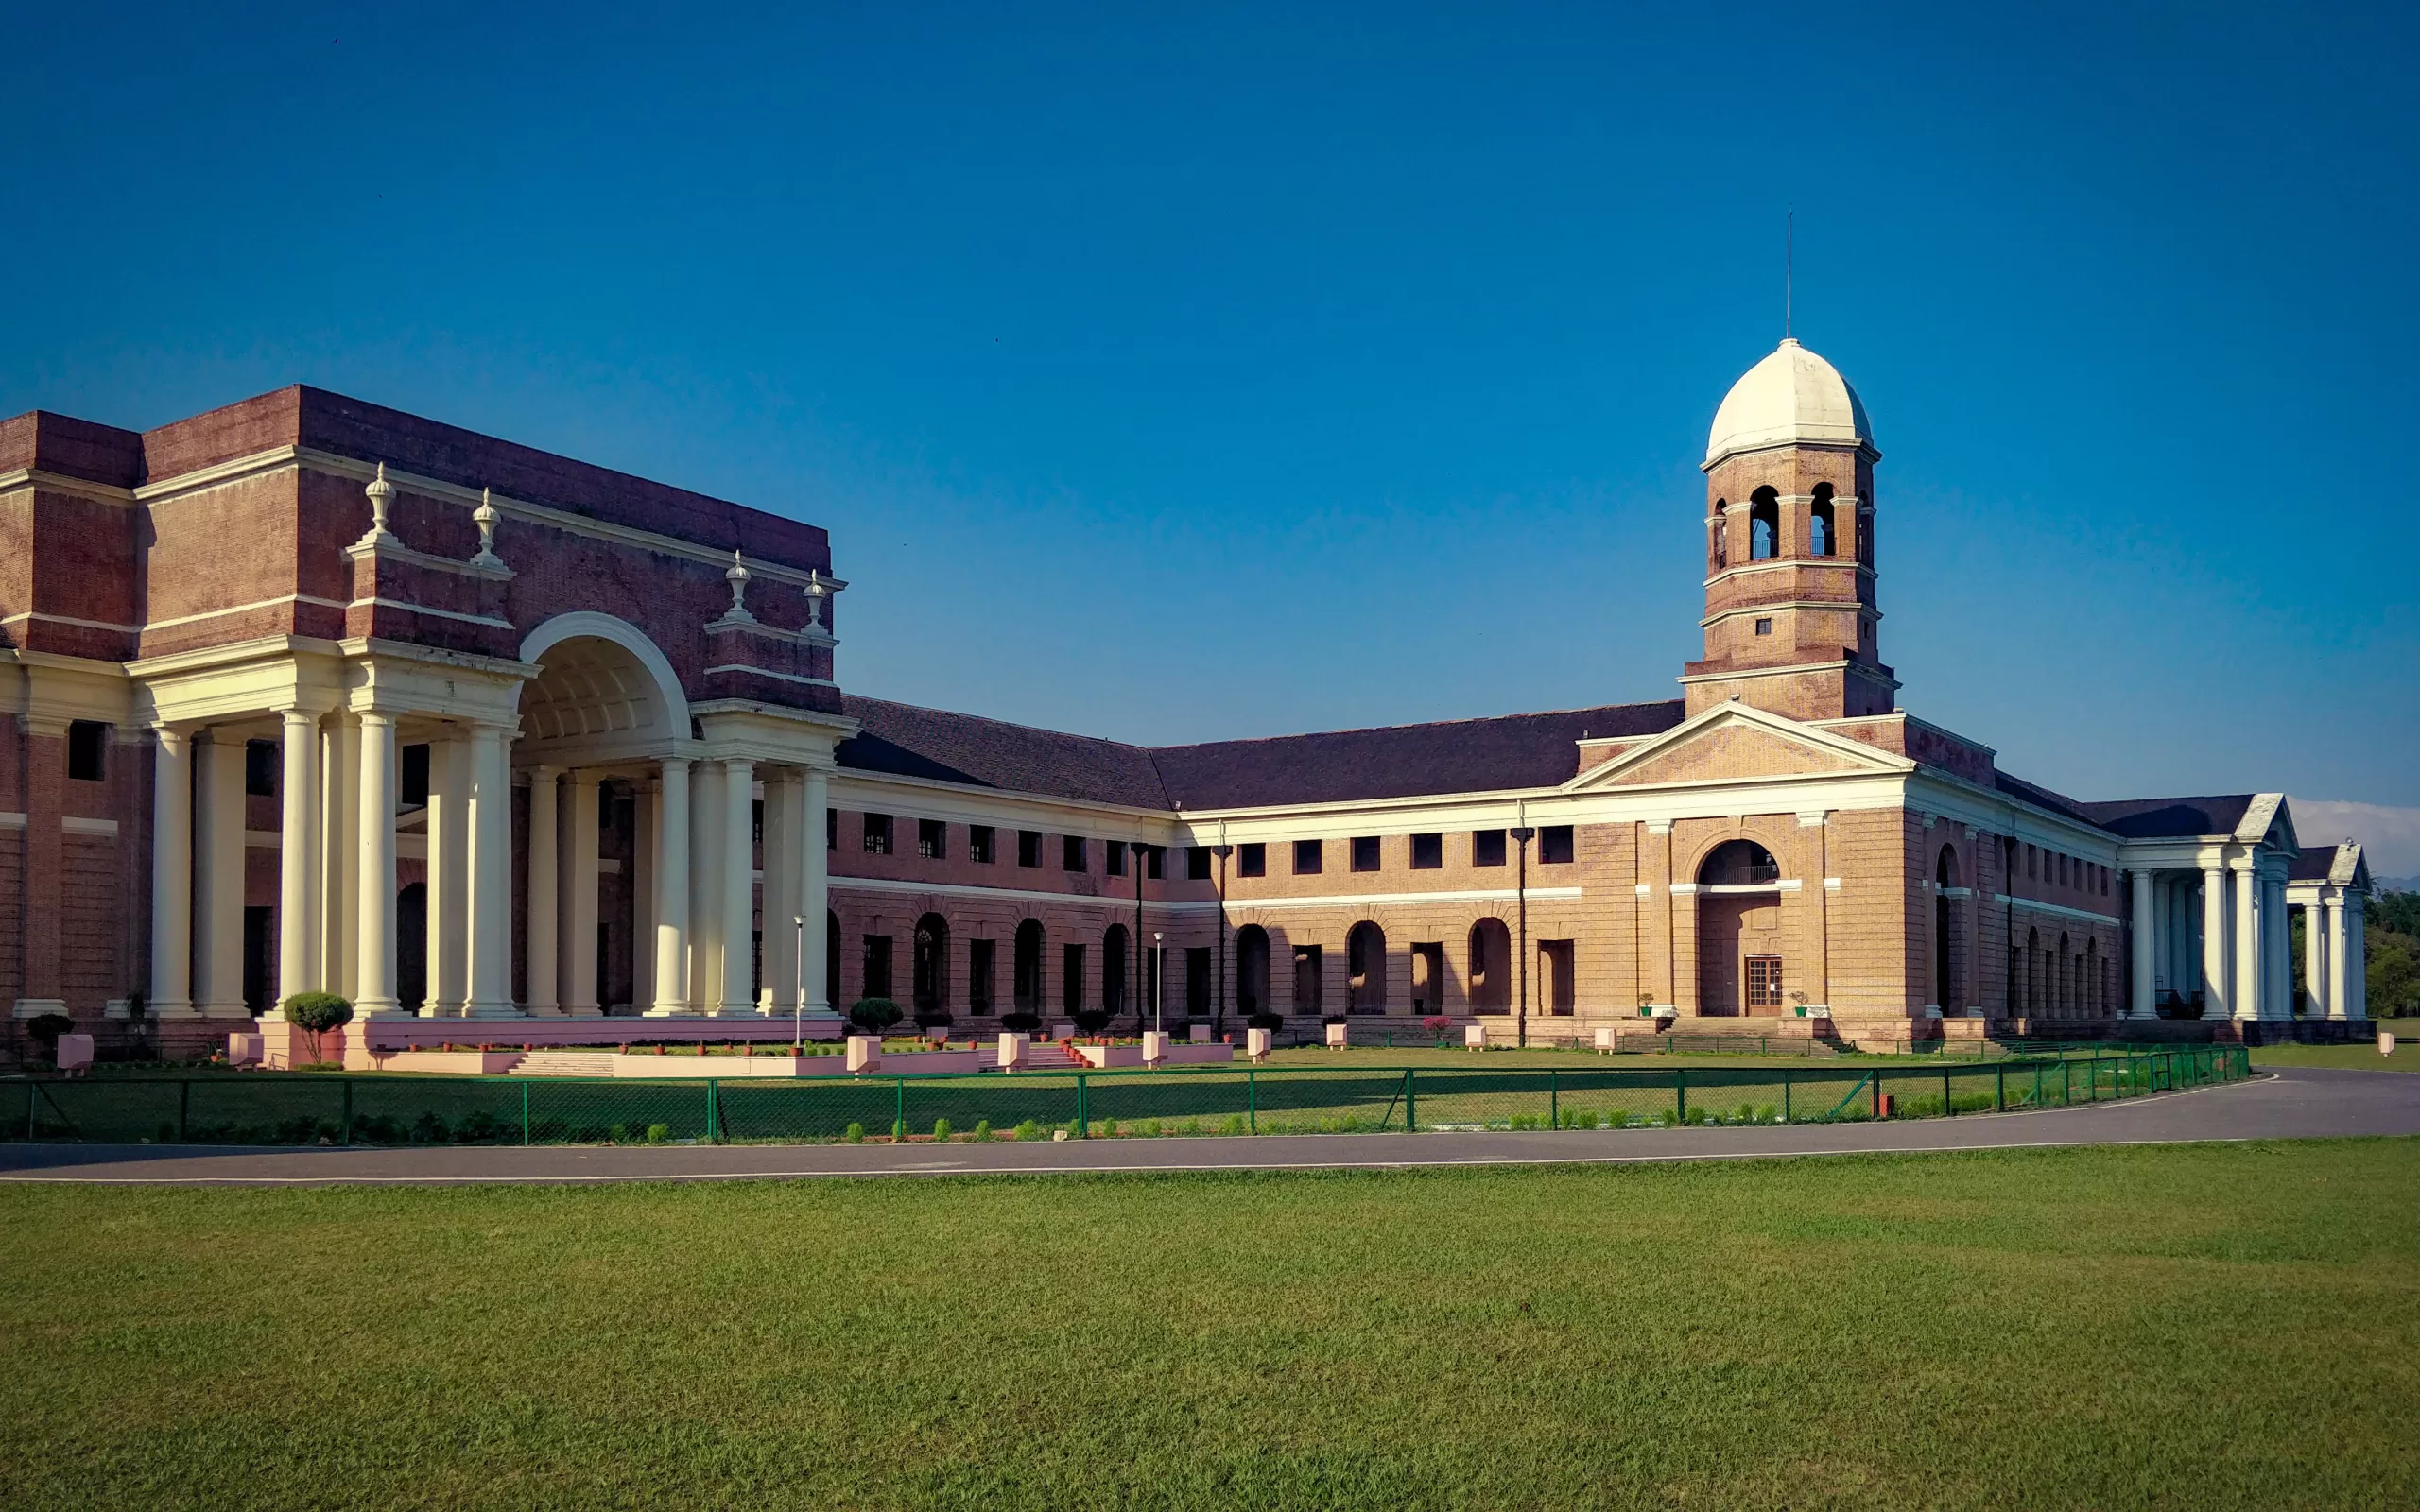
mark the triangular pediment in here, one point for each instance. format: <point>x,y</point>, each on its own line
<point>1738,743</point>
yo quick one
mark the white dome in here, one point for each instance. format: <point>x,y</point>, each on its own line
<point>1792,395</point>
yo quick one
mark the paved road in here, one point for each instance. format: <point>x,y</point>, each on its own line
<point>2290,1104</point>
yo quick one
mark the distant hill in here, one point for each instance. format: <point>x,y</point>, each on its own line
<point>2399,883</point>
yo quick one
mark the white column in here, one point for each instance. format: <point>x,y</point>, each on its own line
<point>545,932</point>
<point>738,886</point>
<point>218,896</point>
<point>2277,945</point>
<point>2249,973</point>
<point>448,884</point>
<point>2315,958</point>
<point>2357,959</point>
<point>705,885</point>
<point>580,897</point>
<point>488,970</point>
<point>172,877</point>
<point>643,887</point>
<point>339,854</point>
<point>2145,940</point>
<point>781,892</point>
<point>374,888</point>
<point>2218,1002</point>
<point>814,894</point>
<point>672,889</point>
<point>297,854</point>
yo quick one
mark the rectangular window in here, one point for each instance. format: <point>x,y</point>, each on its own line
<point>1071,979</point>
<point>1554,845</point>
<point>1197,981</point>
<point>978,975</point>
<point>878,834</point>
<point>932,839</point>
<point>1764,982</point>
<point>979,844</point>
<point>1487,848</point>
<point>1365,853</point>
<point>1155,862</point>
<point>1306,858</point>
<point>412,768</point>
<point>88,751</point>
<point>1197,863</point>
<point>260,768</point>
<point>1071,853</point>
<point>2033,864</point>
<point>1252,860</point>
<point>1558,990</point>
<point>1029,848</point>
<point>1764,626</point>
<point>877,982</point>
<point>1428,852</point>
<point>1116,858</point>
<point>831,828</point>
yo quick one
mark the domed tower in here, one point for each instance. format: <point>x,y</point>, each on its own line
<point>1791,622</point>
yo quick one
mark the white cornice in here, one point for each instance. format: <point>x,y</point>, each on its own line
<point>32,477</point>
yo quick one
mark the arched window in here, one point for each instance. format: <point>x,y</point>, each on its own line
<point>1764,526</point>
<point>928,980</point>
<point>1721,535</point>
<point>1820,533</point>
<point>1944,930</point>
<point>1365,969</point>
<point>1025,980</point>
<point>1112,968</point>
<point>1252,970</point>
<point>1738,864</point>
<point>1491,972</point>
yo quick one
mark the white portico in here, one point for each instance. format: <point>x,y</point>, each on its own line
<point>2206,882</point>
<point>2329,885</point>
<point>506,921</point>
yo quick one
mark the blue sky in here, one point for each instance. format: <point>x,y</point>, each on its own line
<point>1173,377</point>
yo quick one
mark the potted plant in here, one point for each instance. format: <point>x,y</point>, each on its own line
<point>314,1014</point>
<point>47,1028</point>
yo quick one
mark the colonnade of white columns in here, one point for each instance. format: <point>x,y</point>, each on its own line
<point>2245,966</point>
<point>337,876</point>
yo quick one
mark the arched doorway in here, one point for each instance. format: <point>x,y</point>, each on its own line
<point>1365,969</point>
<point>1944,924</point>
<point>1741,967</point>
<point>1252,970</point>
<point>1025,982</point>
<point>832,960</point>
<point>1490,968</point>
<point>412,947</point>
<point>928,978</point>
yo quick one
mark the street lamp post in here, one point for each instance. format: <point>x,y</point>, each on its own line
<point>1159,985</point>
<point>797,999</point>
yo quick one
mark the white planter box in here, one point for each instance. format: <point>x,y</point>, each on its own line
<point>1608,1039</point>
<point>1156,1047</point>
<point>246,1049</point>
<point>1475,1037</point>
<point>1107,1056</point>
<point>74,1052</point>
<point>1258,1043</point>
<point>1337,1035</point>
<point>1012,1050</point>
<point>865,1053</point>
<point>2386,1042</point>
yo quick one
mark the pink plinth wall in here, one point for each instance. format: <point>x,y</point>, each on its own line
<point>1110,1054</point>
<point>1199,1055</point>
<point>555,1033</point>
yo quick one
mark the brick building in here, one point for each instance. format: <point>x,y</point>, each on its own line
<point>313,693</point>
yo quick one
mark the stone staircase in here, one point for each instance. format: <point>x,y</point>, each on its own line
<point>566,1063</point>
<point>1043,1055</point>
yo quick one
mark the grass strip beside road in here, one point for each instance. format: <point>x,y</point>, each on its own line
<point>1762,1334</point>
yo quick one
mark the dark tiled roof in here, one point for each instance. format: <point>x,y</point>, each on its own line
<point>2042,796</point>
<point>1397,760</point>
<point>1400,761</point>
<point>907,740</point>
<point>2151,818</point>
<point>2314,863</point>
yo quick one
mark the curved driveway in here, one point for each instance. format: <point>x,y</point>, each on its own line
<point>2288,1104</point>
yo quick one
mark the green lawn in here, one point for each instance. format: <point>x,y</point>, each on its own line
<point>2218,1325</point>
<point>2352,1057</point>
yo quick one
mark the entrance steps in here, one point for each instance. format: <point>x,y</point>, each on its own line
<point>1045,1055</point>
<point>566,1063</point>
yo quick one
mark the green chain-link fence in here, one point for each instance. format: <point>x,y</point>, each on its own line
<point>281,1109</point>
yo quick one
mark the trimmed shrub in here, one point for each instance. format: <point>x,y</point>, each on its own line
<point>933,1017</point>
<point>47,1028</point>
<point>982,1128</point>
<point>1028,1130</point>
<point>1021,1022</point>
<point>874,1015</point>
<point>855,1133</point>
<point>1437,1023</point>
<point>658,1133</point>
<point>314,1014</point>
<point>941,1131</point>
<point>1270,1022</point>
<point>1091,1021</point>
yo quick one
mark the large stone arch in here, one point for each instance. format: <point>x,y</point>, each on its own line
<point>600,679</point>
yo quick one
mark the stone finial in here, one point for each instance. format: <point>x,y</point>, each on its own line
<point>487,516</point>
<point>816,593</point>
<point>381,494</point>
<point>736,574</point>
